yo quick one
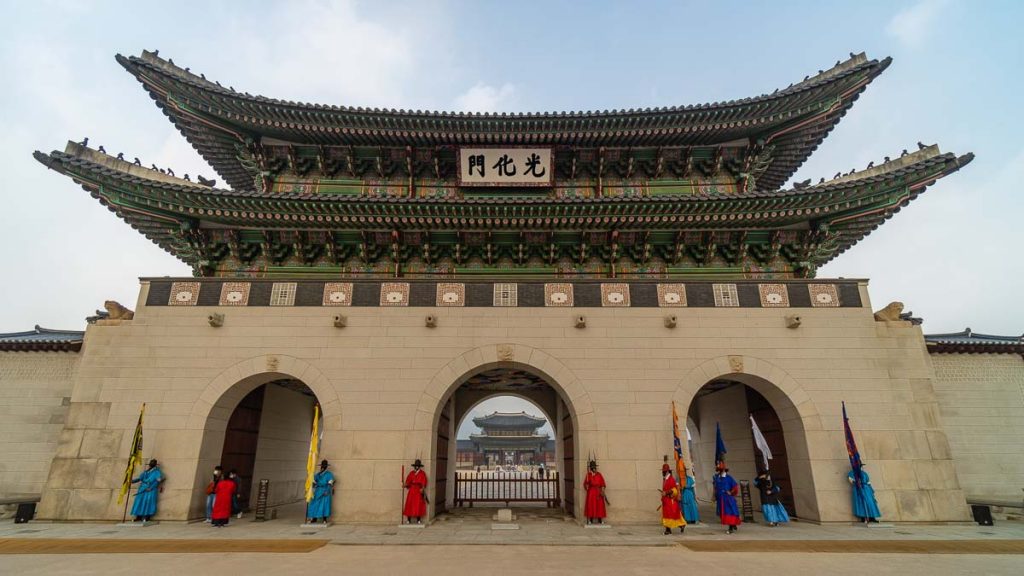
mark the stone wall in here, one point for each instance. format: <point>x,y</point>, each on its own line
<point>35,390</point>
<point>383,378</point>
<point>981,397</point>
<point>283,446</point>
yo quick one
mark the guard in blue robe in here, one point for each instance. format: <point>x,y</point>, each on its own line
<point>690,513</point>
<point>772,508</point>
<point>319,507</point>
<point>144,506</point>
<point>865,507</point>
<point>726,490</point>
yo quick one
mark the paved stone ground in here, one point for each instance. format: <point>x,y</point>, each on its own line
<point>537,526</point>
<point>531,560</point>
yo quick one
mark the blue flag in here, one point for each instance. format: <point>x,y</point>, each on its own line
<point>851,449</point>
<point>719,448</point>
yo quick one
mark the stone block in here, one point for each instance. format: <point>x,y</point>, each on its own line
<point>640,445</point>
<point>69,443</point>
<point>914,506</point>
<point>938,443</point>
<point>886,503</point>
<point>87,415</point>
<point>878,445</point>
<point>71,473</point>
<point>101,443</point>
<point>949,505</point>
<point>897,474</point>
<point>109,472</point>
<point>913,444</point>
<point>93,504</point>
<point>936,475</point>
<point>54,504</point>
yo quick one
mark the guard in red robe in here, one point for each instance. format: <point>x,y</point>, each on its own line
<point>594,509</point>
<point>416,499</point>
<point>223,496</point>
<point>671,515</point>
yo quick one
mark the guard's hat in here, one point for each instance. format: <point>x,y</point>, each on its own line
<point>417,464</point>
<point>324,463</point>
<point>152,462</point>
<point>665,468</point>
<point>593,464</point>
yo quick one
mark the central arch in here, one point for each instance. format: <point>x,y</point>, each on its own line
<point>569,412</point>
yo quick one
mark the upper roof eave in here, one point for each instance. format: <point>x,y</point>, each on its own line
<point>241,115</point>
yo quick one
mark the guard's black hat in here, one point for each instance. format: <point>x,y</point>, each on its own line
<point>323,463</point>
<point>592,464</point>
<point>152,462</point>
<point>417,464</point>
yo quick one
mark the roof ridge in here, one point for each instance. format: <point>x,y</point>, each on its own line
<point>854,62</point>
<point>78,150</point>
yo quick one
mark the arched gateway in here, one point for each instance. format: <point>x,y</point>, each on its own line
<point>741,391</point>
<point>259,426</point>
<point>493,371</point>
<point>412,256</point>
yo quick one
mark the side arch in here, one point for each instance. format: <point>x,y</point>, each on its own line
<point>797,414</point>
<point>232,384</point>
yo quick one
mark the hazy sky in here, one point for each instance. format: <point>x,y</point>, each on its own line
<point>952,256</point>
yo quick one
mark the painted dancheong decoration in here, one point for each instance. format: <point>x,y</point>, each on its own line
<point>334,191</point>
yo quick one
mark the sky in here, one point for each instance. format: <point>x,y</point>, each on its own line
<point>952,256</point>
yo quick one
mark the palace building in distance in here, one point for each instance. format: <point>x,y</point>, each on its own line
<point>398,267</point>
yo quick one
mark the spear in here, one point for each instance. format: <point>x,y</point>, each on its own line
<point>401,498</point>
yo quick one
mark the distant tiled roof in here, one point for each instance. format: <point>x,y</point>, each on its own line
<point>970,342</point>
<point>505,419</point>
<point>42,339</point>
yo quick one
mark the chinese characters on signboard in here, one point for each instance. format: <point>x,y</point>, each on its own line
<point>505,167</point>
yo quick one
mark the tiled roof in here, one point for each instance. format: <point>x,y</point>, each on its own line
<point>42,339</point>
<point>970,342</point>
<point>216,120</point>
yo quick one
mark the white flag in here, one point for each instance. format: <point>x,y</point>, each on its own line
<point>762,444</point>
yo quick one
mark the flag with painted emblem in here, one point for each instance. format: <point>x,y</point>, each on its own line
<point>134,457</point>
<point>314,449</point>
<point>678,444</point>
<point>851,448</point>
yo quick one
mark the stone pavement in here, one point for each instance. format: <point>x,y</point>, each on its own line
<point>507,560</point>
<point>536,527</point>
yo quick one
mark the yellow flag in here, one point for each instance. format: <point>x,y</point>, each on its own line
<point>134,458</point>
<point>680,463</point>
<point>314,447</point>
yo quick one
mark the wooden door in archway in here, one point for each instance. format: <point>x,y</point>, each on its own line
<point>568,470</point>
<point>441,459</point>
<point>240,440</point>
<point>771,427</point>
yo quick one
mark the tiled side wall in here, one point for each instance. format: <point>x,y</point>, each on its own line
<point>35,391</point>
<point>982,401</point>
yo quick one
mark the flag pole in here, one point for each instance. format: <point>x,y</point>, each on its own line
<point>124,517</point>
